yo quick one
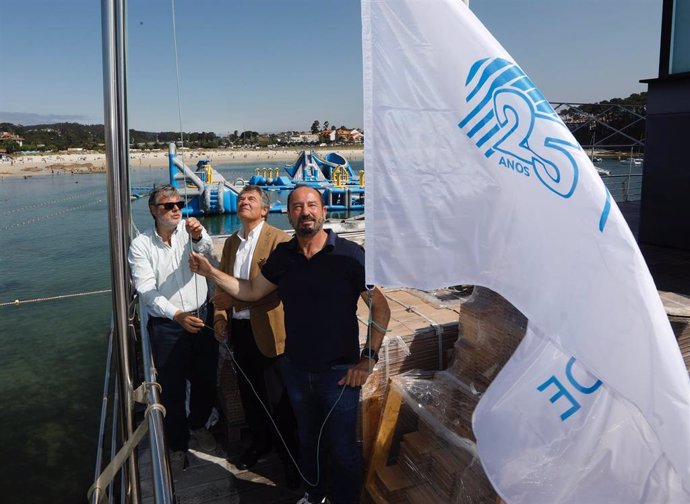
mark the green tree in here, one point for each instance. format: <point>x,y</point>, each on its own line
<point>600,121</point>
<point>12,147</point>
<point>248,136</point>
<point>315,126</point>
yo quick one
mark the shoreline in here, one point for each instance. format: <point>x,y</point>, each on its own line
<point>34,165</point>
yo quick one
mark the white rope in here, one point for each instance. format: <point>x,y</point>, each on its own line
<point>123,454</point>
<point>18,302</point>
<point>280,435</point>
<point>24,208</point>
<point>177,73</point>
<point>48,216</point>
<point>142,390</point>
<point>179,116</point>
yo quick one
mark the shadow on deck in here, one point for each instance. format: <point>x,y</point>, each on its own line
<point>213,478</point>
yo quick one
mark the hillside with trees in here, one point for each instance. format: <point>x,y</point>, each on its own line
<point>56,137</point>
<point>618,123</point>
<point>608,124</point>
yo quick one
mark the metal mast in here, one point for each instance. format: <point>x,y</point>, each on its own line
<point>119,212</point>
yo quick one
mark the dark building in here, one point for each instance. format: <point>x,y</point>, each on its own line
<point>665,205</point>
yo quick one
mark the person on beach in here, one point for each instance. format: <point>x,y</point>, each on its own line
<point>257,333</point>
<point>178,311</point>
<point>319,277</point>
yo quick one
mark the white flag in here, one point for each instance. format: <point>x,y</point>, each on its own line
<point>473,178</point>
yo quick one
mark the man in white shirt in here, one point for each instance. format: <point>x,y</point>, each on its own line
<point>257,333</point>
<point>176,302</point>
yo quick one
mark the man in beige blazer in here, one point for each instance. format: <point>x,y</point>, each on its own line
<point>256,332</point>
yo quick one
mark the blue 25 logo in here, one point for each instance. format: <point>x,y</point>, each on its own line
<point>512,120</point>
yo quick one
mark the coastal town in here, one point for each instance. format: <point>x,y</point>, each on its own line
<point>232,149</point>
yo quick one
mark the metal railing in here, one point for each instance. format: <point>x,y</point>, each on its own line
<point>162,482</point>
<point>123,447</point>
<point>624,187</point>
<point>606,129</point>
<point>603,125</point>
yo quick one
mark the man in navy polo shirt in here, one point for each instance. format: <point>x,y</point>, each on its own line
<point>319,277</point>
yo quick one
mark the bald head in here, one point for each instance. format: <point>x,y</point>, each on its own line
<point>306,211</point>
<point>301,188</point>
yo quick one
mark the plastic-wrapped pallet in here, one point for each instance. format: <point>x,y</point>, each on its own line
<point>423,330</point>
<point>437,454</point>
<point>490,330</point>
<point>432,458</point>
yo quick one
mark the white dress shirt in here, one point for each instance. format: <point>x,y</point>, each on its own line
<point>161,272</point>
<point>243,261</point>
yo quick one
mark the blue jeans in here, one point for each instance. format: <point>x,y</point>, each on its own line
<point>180,356</point>
<point>312,395</point>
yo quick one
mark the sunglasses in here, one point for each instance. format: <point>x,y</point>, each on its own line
<point>172,204</point>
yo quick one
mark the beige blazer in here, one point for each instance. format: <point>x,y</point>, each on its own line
<point>266,315</point>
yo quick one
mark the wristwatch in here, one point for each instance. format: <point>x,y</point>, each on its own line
<point>370,354</point>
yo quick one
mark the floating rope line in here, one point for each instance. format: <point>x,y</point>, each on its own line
<point>48,216</point>
<point>50,202</point>
<point>18,302</point>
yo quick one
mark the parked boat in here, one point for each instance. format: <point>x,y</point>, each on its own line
<point>633,161</point>
<point>603,171</point>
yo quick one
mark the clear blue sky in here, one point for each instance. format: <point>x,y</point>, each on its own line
<point>272,65</point>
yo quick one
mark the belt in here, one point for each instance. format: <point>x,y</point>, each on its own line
<point>202,310</point>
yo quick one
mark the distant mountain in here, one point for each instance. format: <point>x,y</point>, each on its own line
<point>29,119</point>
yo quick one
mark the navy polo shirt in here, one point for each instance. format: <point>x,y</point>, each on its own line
<point>320,300</point>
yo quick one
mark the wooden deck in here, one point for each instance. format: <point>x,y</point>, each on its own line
<point>213,478</point>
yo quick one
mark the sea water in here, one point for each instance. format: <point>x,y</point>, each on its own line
<point>54,242</point>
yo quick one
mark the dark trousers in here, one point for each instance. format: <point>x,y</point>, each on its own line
<point>266,376</point>
<point>180,356</point>
<point>312,396</point>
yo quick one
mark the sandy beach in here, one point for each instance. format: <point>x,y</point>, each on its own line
<point>63,163</point>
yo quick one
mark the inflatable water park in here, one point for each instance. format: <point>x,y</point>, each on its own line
<point>208,192</point>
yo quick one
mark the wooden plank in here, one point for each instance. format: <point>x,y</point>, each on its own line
<point>371,411</point>
<point>384,438</point>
